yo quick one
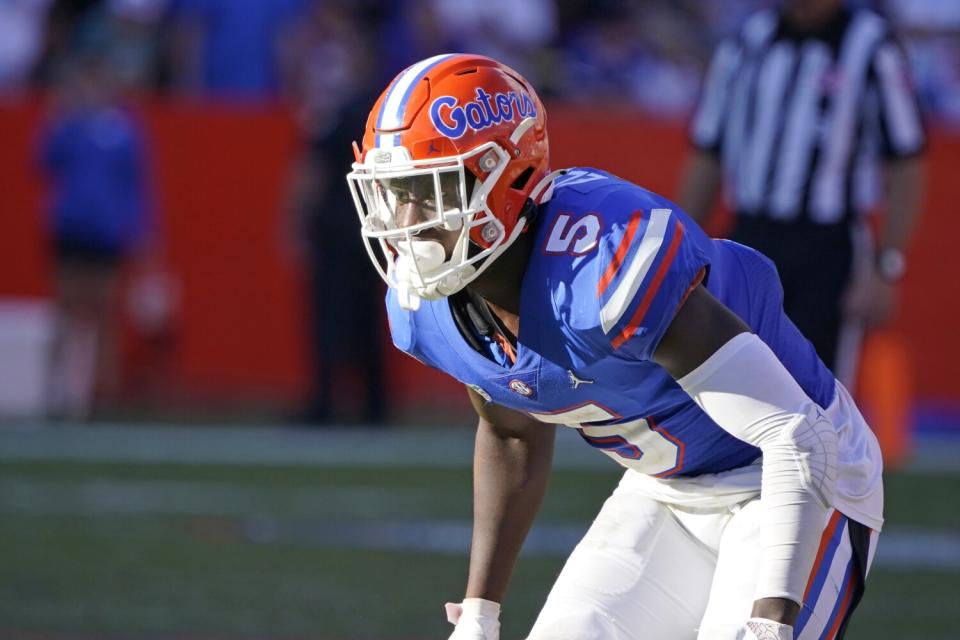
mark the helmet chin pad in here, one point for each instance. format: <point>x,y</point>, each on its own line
<point>417,260</point>
<point>420,271</point>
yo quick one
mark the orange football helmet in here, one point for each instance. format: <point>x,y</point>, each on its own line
<point>453,150</point>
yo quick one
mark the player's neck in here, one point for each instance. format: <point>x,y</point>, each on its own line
<point>501,283</point>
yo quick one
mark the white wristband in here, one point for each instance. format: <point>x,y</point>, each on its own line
<point>480,608</point>
<point>475,619</point>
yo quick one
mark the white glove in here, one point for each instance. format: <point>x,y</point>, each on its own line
<point>475,619</point>
<point>761,629</point>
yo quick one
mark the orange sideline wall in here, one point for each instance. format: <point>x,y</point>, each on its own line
<point>219,173</point>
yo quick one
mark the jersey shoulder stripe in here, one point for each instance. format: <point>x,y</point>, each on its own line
<point>638,316</point>
<point>646,268</point>
<point>642,254</point>
<point>617,261</point>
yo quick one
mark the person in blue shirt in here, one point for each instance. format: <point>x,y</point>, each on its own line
<point>229,48</point>
<point>94,157</point>
<point>752,496</point>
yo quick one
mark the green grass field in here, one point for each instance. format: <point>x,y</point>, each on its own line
<point>120,550</point>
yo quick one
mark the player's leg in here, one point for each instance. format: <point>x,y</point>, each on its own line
<point>638,573</point>
<point>838,579</point>
<point>833,590</point>
<point>813,290</point>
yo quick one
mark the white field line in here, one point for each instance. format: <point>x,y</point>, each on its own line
<point>104,496</point>
<point>357,447</point>
<point>901,548</point>
<point>356,517</point>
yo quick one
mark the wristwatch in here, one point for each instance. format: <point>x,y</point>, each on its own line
<point>891,264</point>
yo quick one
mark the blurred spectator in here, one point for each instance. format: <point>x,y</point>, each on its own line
<point>61,26</point>
<point>601,55</point>
<point>931,29</point>
<point>93,153</point>
<point>411,31</point>
<point>669,69</point>
<point>128,34</point>
<point>518,33</point>
<point>641,53</point>
<point>228,48</point>
<point>22,28</point>
<point>724,19</point>
<point>327,60</point>
<point>512,32</point>
<point>318,65</point>
<point>796,112</point>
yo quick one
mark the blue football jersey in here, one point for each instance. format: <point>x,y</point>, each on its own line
<point>611,264</point>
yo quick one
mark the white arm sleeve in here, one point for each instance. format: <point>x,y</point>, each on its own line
<point>746,390</point>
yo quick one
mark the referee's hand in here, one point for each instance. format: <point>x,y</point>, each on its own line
<point>871,299</point>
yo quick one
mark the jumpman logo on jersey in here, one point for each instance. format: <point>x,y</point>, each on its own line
<point>575,381</point>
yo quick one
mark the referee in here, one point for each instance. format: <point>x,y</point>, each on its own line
<point>797,113</point>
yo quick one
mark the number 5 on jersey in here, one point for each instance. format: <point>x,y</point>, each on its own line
<point>575,237</point>
<point>641,445</point>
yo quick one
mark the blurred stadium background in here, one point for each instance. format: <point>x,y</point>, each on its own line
<point>253,460</point>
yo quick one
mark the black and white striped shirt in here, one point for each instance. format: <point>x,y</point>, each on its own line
<point>799,120</point>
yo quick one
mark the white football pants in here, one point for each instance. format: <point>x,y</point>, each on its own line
<point>649,571</point>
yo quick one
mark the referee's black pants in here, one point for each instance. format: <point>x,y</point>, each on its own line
<point>815,263</point>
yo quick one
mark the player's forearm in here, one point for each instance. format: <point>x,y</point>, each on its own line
<point>510,479</point>
<point>745,389</point>
<point>904,195</point>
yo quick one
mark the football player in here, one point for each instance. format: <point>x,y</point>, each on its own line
<point>752,495</point>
